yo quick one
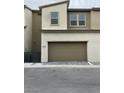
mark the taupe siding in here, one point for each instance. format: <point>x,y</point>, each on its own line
<point>36,33</point>
<point>67,51</point>
<point>95,19</point>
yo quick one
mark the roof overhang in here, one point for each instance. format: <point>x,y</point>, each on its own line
<point>27,7</point>
<point>79,10</point>
<point>83,9</point>
<point>96,9</point>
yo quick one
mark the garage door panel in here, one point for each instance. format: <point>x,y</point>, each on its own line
<point>67,51</point>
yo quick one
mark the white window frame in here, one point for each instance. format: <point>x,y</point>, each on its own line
<point>51,19</point>
<point>77,15</point>
<point>70,19</point>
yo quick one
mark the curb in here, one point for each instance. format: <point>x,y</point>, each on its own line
<point>56,66</point>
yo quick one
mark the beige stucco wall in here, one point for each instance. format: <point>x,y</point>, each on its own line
<point>95,19</point>
<point>24,18</point>
<point>93,45</point>
<point>36,32</point>
<point>46,22</point>
<point>28,30</point>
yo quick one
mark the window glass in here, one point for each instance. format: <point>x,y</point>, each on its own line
<point>54,17</point>
<point>73,19</point>
<point>81,23</point>
<point>81,20</point>
<point>54,21</point>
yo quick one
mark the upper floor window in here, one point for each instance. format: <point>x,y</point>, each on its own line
<point>77,20</point>
<point>54,18</point>
<point>73,20</point>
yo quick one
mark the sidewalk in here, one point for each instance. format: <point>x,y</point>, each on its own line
<point>61,64</point>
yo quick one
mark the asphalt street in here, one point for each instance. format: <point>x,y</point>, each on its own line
<point>61,80</point>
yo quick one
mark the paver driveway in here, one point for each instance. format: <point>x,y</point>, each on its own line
<point>62,80</point>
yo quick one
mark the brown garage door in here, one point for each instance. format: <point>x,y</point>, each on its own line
<point>67,51</point>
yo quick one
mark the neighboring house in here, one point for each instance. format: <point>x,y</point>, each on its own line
<point>32,35</point>
<point>65,34</point>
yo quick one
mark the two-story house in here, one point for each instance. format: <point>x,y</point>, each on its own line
<point>32,35</point>
<point>66,34</point>
<point>69,34</point>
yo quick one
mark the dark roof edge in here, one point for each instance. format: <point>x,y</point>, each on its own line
<point>53,4</point>
<point>96,9</point>
<point>25,6</point>
<point>83,10</point>
<point>35,11</point>
<point>79,10</point>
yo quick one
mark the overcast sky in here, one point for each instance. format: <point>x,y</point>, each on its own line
<point>34,4</point>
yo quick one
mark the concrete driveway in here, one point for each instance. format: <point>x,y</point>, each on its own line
<point>62,80</point>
